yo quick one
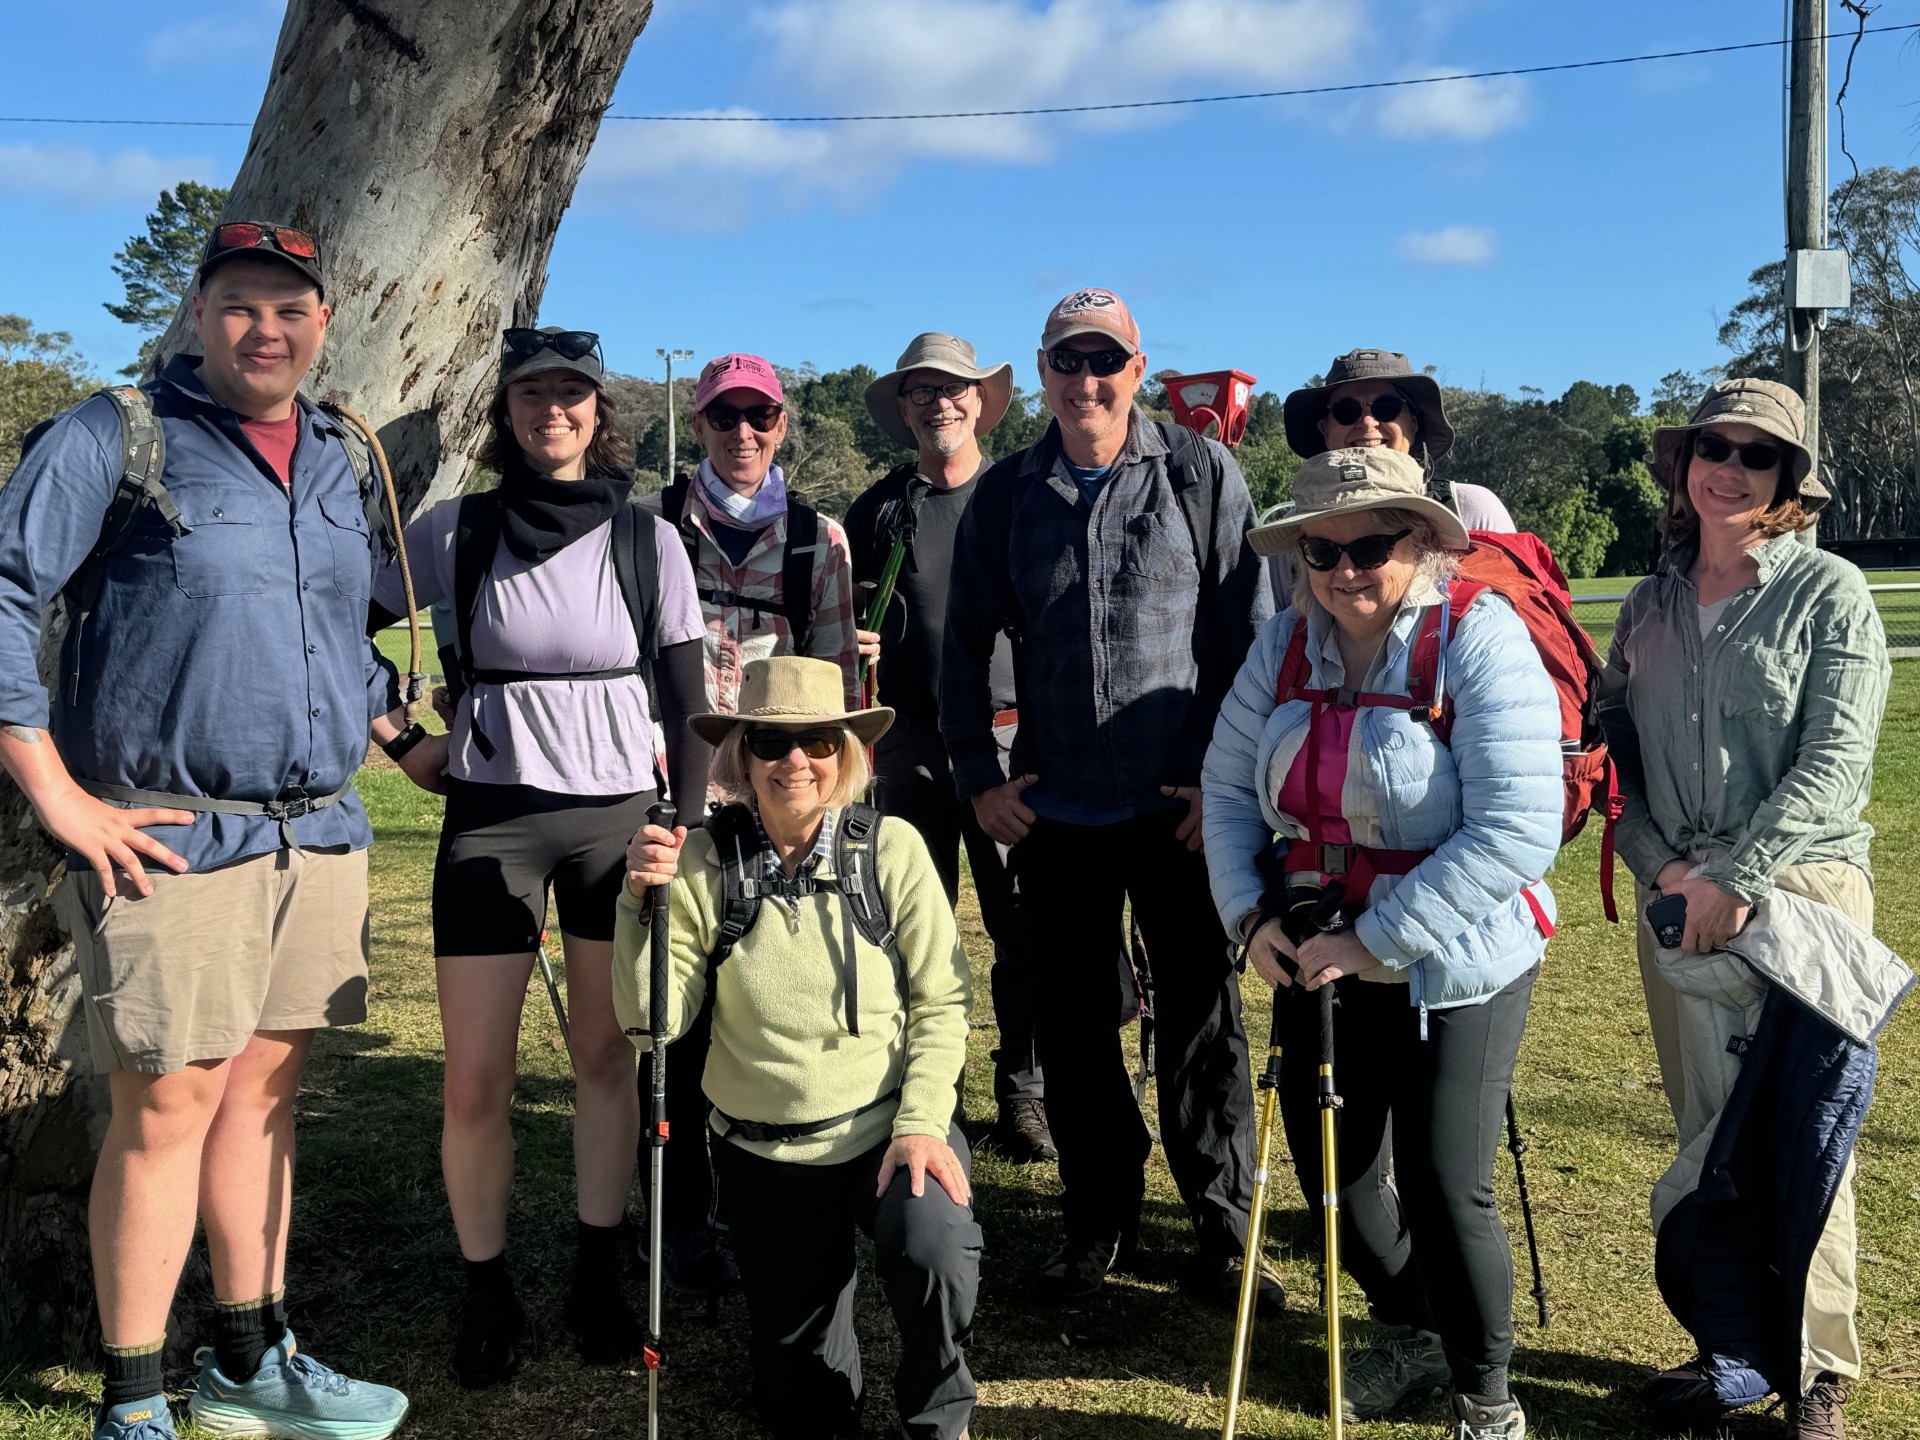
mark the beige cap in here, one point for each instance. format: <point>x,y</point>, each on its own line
<point>796,691</point>
<point>1372,477</point>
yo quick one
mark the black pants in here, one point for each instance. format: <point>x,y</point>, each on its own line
<point>1425,1243</point>
<point>793,1234</point>
<point>1073,882</point>
<point>944,821</point>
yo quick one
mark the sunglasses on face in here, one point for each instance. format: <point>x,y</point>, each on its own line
<point>1755,455</point>
<point>767,743</point>
<point>523,343</point>
<point>246,235</point>
<point>1384,408</point>
<point>1100,362</point>
<point>927,394</point>
<point>728,417</point>
<point>1369,552</point>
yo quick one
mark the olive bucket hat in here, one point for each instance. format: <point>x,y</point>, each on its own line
<point>1769,407</point>
<point>1372,477</point>
<point>1304,408</point>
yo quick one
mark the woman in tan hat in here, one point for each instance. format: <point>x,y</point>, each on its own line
<point>1755,672</point>
<point>1352,840</point>
<point>838,1038</point>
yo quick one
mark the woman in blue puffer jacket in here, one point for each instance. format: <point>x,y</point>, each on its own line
<point>1320,773</point>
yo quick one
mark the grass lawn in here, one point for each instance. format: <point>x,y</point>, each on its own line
<point>375,1276</point>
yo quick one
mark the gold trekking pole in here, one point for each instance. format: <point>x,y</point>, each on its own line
<point>416,687</point>
<point>1256,1230</point>
<point>1330,1209</point>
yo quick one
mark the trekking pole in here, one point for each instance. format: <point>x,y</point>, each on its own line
<point>1330,1210</point>
<point>416,678</point>
<point>651,1353</point>
<point>898,517</point>
<point>553,989</point>
<point>1256,1231</point>
<point>1519,1145</point>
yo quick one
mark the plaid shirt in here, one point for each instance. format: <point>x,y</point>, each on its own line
<point>736,635</point>
<point>773,875</point>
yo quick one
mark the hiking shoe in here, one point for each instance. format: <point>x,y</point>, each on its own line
<point>603,1323</point>
<point>486,1346</point>
<point>1505,1421</point>
<point>1401,1361</point>
<point>1683,1398</point>
<point>1077,1270</point>
<point>1020,1136</point>
<point>1816,1414</point>
<point>696,1261</point>
<point>293,1397</point>
<point>1221,1286</point>
<point>147,1419</point>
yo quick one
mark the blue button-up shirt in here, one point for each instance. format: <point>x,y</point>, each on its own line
<point>231,661</point>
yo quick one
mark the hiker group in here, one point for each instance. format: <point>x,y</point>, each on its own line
<point>1340,744</point>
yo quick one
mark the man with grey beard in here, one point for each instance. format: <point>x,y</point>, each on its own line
<point>938,401</point>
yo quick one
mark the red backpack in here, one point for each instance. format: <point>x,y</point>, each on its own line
<point>1521,568</point>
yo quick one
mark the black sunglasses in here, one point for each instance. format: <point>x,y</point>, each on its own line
<point>1100,362</point>
<point>765,742</point>
<point>728,417</point>
<point>1384,408</point>
<point>1755,455</point>
<point>523,343</point>
<point>926,394</point>
<point>1369,552</point>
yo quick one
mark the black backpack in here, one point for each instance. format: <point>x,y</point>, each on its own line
<point>795,604</point>
<point>636,567</point>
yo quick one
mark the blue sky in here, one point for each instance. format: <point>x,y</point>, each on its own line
<point>1591,225</point>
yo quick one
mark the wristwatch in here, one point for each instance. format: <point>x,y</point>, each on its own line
<point>400,744</point>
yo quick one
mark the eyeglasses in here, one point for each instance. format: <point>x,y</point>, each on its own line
<point>1755,455</point>
<point>1100,362</point>
<point>524,343</point>
<point>247,235</point>
<point>767,743</point>
<point>926,394</point>
<point>728,417</point>
<point>1369,552</point>
<point>1385,408</point>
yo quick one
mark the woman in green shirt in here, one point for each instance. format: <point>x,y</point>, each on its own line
<point>1755,672</point>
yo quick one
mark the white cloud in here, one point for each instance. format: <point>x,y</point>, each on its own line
<point>1454,109</point>
<point>84,178</point>
<point>1453,245</point>
<point>238,33</point>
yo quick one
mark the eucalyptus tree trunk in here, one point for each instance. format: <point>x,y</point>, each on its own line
<point>431,146</point>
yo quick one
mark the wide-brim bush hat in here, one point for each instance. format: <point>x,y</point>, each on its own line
<point>1365,477</point>
<point>1304,408</point>
<point>950,355</point>
<point>1773,409</point>
<point>795,691</point>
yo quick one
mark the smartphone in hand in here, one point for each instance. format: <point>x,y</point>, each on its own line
<point>1667,918</point>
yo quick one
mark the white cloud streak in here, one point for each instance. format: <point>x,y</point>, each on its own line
<point>1456,110</point>
<point>1452,245</point>
<point>82,178</point>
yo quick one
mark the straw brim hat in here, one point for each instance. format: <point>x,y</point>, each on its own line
<point>950,355</point>
<point>1341,482</point>
<point>792,691</point>
<point>1302,410</point>
<point>1766,405</point>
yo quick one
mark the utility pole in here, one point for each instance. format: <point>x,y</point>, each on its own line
<point>673,454</point>
<point>1806,200</point>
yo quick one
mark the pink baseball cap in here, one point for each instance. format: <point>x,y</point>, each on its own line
<point>1091,312</point>
<point>737,372</point>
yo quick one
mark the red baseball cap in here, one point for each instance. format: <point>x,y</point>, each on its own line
<point>1092,312</point>
<point>737,372</point>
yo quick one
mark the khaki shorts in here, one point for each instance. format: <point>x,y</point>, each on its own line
<point>190,972</point>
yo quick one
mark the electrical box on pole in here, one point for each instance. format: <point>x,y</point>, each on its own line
<point>1819,280</point>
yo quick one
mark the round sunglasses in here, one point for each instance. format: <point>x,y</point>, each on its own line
<point>1369,552</point>
<point>1754,455</point>
<point>728,417</point>
<point>1101,362</point>
<point>1384,408</point>
<point>764,742</point>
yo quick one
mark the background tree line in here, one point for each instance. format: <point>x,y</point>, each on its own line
<point>1570,468</point>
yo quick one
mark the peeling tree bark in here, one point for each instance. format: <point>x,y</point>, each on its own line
<point>431,146</point>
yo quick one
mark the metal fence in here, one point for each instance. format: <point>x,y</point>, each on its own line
<point>1899,607</point>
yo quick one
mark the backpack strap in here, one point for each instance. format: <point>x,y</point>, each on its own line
<point>636,567</point>
<point>736,839</point>
<point>1427,667</point>
<point>796,571</point>
<point>476,536</point>
<point>1190,472</point>
<point>359,448</point>
<point>856,868</point>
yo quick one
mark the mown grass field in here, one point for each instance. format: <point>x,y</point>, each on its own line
<point>375,1278</point>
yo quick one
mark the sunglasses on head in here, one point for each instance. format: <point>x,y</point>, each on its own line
<point>523,343</point>
<point>728,417</point>
<point>764,742</point>
<point>1384,408</point>
<point>1100,362</point>
<point>1755,455</point>
<point>248,235</point>
<point>927,394</point>
<point>1369,552</point>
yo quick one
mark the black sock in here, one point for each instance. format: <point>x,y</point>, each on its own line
<point>245,1330</point>
<point>1483,1385</point>
<point>133,1373</point>
<point>489,1277</point>
<point>597,1256</point>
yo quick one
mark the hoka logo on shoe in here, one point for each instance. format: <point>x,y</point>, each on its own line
<point>134,1417</point>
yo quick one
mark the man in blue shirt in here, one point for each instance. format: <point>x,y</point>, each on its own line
<point>215,697</point>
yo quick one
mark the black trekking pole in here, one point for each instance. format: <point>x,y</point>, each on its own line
<point>1518,1144</point>
<point>651,1353</point>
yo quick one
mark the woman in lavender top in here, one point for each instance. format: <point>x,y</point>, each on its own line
<point>553,755</point>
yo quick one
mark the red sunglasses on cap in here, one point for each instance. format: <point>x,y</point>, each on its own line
<point>247,235</point>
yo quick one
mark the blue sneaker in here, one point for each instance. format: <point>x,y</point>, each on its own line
<point>136,1420</point>
<point>293,1397</point>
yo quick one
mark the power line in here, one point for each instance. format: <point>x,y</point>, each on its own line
<point>1089,109</point>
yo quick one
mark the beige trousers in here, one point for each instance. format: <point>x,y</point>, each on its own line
<point>1830,1340</point>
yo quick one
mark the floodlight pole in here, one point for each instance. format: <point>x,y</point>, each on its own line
<point>673,455</point>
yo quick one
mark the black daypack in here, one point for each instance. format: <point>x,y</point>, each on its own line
<point>636,567</point>
<point>795,604</point>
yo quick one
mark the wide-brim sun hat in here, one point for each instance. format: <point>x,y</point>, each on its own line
<point>950,355</point>
<point>1342,482</point>
<point>1303,409</point>
<point>1773,409</point>
<point>792,690</point>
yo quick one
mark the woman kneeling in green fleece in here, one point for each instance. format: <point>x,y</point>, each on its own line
<point>835,1061</point>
